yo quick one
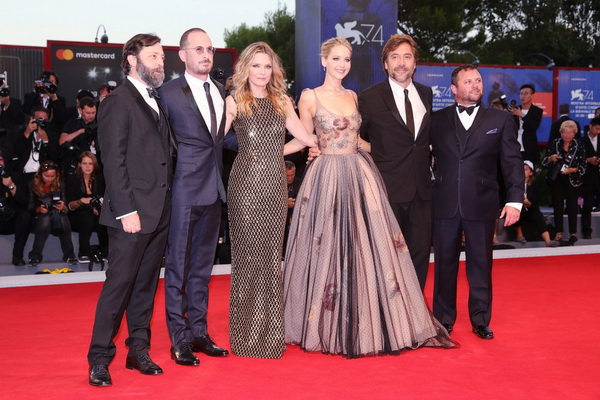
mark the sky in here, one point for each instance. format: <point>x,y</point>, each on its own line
<point>33,22</point>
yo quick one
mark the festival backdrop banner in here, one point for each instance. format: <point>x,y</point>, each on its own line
<point>496,82</point>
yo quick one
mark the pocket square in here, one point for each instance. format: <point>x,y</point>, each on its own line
<point>491,132</point>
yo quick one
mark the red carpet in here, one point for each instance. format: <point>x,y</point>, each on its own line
<point>546,347</point>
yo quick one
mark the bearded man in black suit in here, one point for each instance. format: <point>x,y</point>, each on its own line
<point>469,142</point>
<point>136,144</point>
<point>396,116</point>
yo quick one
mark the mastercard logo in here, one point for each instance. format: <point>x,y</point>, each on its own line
<point>65,54</point>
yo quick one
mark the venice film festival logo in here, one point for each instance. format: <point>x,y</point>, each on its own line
<point>582,95</point>
<point>359,34</point>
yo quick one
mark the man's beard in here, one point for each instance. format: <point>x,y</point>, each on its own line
<point>149,76</point>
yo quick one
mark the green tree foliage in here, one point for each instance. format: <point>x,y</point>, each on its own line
<point>277,30</point>
<point>505,32</point>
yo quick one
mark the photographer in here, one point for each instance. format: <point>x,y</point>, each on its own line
<point>78,135</point>
<point>85,191</point>
<point>11,117</point>
<point>528,118</point>
<point>565,160</point>
<point>45,94</point>
<point>14,216</point>
<point>37,144</point>
<point>46,200</point>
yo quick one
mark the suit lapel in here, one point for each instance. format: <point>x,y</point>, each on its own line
<point>388,98</point>
<point>187,91</point>
<point>424,99</point>
<point>221,130</point>
<point>140,101</point>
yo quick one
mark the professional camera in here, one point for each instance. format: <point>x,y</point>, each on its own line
<point>42,123</point>
<point>508,106</point>
<point>4,172</point>
<point>219,75</point>
<point>4,92</point>
<point>96,202</point>
<point>111,85</point>
<point>45,86</point>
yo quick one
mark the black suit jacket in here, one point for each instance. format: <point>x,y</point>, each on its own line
<point>404,162</point>
<point>592,173</point>
<point>531,123</point>
<point>199,169</point>
<point>467,170</point>
<point>137,159</point>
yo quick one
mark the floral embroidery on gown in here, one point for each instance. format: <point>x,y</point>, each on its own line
<point>349,283</point>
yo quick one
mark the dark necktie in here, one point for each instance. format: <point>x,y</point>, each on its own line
<point>213,114</point>
<point>410,121</point>
<point>469,109</point>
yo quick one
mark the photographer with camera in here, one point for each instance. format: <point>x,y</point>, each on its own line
<point>528,117</point>
<point>85,191</point>
<point>47,201</point>
<point>45,94</point>
<point>37,144</point>
<point>78,135</point>
<point>14,215</point>
<point>105,89</point>
<point>11,117</point>
<point>565,160</point>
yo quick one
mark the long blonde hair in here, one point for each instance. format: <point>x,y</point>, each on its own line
<point>276,88</point>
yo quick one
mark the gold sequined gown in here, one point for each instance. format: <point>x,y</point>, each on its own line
<point>257,203</point>
<point>349,283</point>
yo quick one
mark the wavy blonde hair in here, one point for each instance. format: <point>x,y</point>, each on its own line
<point>276,88</point>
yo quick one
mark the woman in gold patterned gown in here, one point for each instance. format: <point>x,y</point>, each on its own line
<point>260,112</point>
<point>349,283</point>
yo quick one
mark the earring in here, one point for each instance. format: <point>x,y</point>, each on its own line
<point>324,69</point>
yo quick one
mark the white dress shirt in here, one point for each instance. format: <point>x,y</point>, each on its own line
<point>417,105</point>
<point>197,87</point>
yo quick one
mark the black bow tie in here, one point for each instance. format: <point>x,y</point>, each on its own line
<point>469,109</point>
<point>153,93</point>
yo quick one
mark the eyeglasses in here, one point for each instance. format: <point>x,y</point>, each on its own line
<point>201,49</point>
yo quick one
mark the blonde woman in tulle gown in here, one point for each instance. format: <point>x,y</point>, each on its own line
<point>349,284</point>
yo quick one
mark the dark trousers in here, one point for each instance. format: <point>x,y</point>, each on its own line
<point>43,227</point>
<point>414,218</point>
<point>19,224</point>
<point>590,189</point>
<point>190,255</point>
<point>85,222</point>
<point>563,191</point>
<point>131,280</point>
<point>447,234</point>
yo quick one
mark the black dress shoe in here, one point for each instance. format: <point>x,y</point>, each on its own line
<point>206,345</point>
<point>144,364</point>
<point>33,262</point>
<point>483,332</point>
<point>18,261</point>
<point>587,236</point>
<point>449,327</point>
<point>99,375</point>
<point>182,354</point>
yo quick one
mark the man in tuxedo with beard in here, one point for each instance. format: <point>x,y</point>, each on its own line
<point>469,142</point>
<point>135,140</point>
<point>396,116</point>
